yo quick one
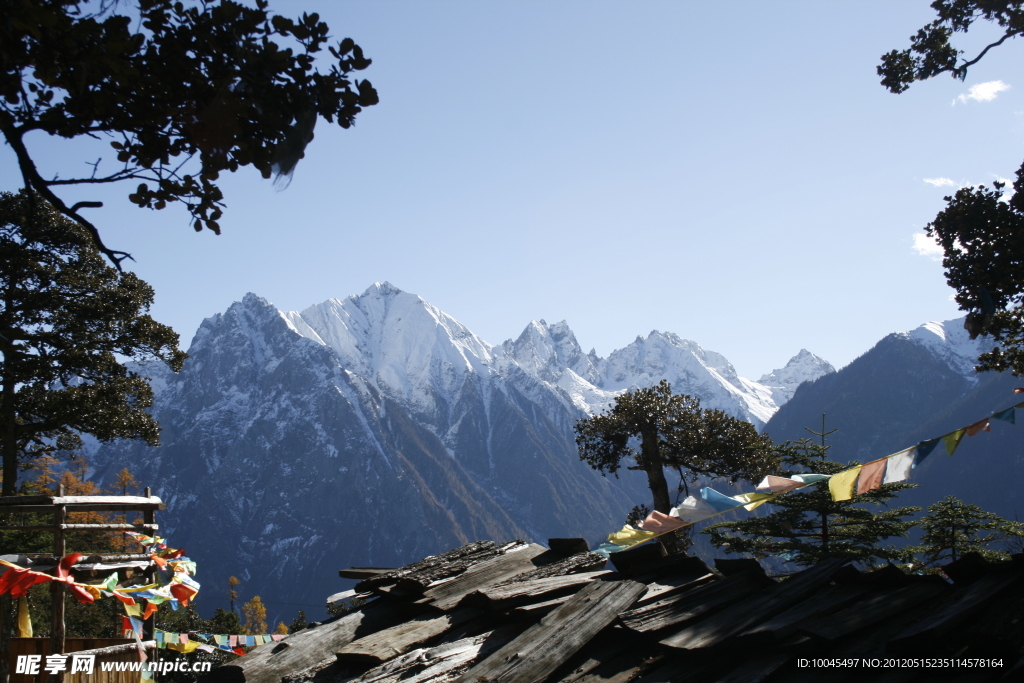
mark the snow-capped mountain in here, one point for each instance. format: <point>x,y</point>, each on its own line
<point>803,367</point>
<point>903,381</point>
<point>377,429</point>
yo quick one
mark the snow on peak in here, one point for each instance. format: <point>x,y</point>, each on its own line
<point>949,341</point>
<point>803,367</point>
<point>398,341</point>
<point>548,351</point>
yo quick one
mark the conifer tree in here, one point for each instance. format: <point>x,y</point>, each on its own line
<point>807,526</point>
<point>255,614</point>
<point>954,527</point>
<point>672,431</point>
<point>67,320</point>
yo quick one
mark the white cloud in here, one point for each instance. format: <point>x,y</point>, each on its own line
<point>940,182</point>
<point>927,246</point>
<point>983,92</point>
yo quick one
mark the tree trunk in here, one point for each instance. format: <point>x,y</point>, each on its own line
<point>651,455</point>
<point>8,434</point>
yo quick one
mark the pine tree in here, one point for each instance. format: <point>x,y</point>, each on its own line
<point>673,431</point>
<point>807,526</point>
<point>67,321</point>
<point>953,528</point>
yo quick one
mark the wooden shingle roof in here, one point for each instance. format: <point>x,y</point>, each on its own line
<point>522,613</point>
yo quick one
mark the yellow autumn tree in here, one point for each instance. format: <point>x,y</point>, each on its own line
<point>255,615</point>
<point>124,484</point>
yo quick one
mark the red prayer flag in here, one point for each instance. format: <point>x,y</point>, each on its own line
<point>979,426</point>
<point>871,476</point>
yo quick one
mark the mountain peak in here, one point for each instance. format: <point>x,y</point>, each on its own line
<point>803,367</point>
<point>382,289</point>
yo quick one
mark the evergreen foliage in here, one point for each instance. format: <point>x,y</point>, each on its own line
<point>673,431</point>
<point>982,235</point>
<point>952,528</point>
<point>807,526</point>
<point>67,320</point>
<point>221,85</point>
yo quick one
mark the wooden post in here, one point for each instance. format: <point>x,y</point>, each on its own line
<point>149,625</point>
<point>56,587</point>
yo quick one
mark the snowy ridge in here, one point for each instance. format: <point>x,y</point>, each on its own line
<point>949,341</point>
<point>802,367</point>
<point>415,353</point>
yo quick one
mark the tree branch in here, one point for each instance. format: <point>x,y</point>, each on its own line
<point>30,175</point>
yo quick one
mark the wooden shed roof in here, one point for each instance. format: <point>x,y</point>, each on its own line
<point>522,613</point>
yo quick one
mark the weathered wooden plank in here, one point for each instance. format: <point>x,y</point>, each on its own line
<point>784,624</point>
<point>682,607</point>
<point>508,595</point>
<point>307,648</point>
<point>764,605</point>
<point>360,573</point>
<point>389,643</point>
<point>863,613</point>
<point>599,657</point>
<point>435,567</point>
<point>667,587</point>
<point>574,564</point>
<point>542,648</point>
<point>534,610</point>
<point>441,663</point>
<point>488,573</point>
<point>960,606</point>
<point>73,501</point>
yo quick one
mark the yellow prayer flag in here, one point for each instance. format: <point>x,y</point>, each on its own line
<point>754,499</point>
<point>628,536</point>
<point>24,620</point>
<point>841,485</point>
<point>133,610</point>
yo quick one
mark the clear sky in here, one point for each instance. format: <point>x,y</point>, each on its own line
<point>732,172</point>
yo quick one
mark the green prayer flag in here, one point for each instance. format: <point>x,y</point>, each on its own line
<point>952,440</point>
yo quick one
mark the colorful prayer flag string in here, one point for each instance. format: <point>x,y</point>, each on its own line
<point>858,479</point>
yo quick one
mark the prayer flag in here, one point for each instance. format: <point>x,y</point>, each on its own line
<point>871,475</point>
<point>660,523</point>
<point>754,500</point>
<point>133,610</point>
<point>629,536</point>
<point>692,510</point>
<point>899,466</point>
<point>841,485</point>
<point>979,426</point>
<point>924,449</point>
<point>952,440</point>
<point>1008,415</point>
<point>24,620</point>
<point>811,477</point>
<point>779,484</point>
<point>719,501</point>
<point>606,549</point>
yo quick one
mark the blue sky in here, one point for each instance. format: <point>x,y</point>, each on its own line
<point>731,172</point>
